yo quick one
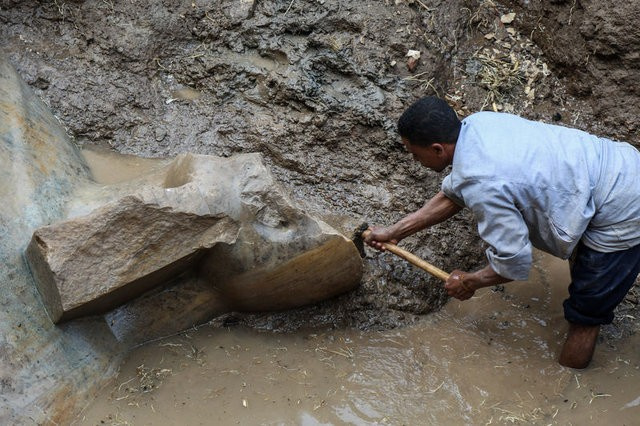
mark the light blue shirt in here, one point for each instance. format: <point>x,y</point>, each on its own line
<point>535,184</point>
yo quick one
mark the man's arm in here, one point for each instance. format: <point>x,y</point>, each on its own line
<point>462,285</point>
<point>436,210</point>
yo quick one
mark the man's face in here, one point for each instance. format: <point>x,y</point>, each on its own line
<point>433,156</point>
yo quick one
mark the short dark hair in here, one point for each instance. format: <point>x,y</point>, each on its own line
<point>429,120</point>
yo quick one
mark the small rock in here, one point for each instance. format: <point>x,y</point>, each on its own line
<point>239,10</point>
<point>507,18</point>
<point>531,94</point>
<point>160,134</point>
<point>412,64</point>
<point>415,54</point>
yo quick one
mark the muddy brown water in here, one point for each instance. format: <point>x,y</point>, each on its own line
<point>489,360</point>
<point>108,167</point>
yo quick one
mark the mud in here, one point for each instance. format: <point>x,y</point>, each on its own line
<point>316,87</point>
<point>490,360</point>
<point>593,46</point>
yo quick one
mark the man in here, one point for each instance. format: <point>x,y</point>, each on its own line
<point>528,184</point>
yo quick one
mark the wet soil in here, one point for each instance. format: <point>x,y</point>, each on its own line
<point>316,87</point>
<point>593,47</point>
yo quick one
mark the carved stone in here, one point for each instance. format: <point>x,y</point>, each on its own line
<point>225,220</point>
<point>196,235</point>
<point>94,263</point>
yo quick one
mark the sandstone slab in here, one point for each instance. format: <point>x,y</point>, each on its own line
<point>94,263</point>
<point>225,221</point>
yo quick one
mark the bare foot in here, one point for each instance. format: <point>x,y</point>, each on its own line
<point>578,348</point>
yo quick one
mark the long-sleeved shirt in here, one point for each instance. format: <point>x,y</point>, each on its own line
<point>547,186</point>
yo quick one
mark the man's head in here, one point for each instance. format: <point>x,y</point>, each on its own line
<point>429,129</point>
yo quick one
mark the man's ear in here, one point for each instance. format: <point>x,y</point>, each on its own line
<point>437,148</point>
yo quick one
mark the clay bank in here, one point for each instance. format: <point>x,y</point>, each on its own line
<point>272,130</point>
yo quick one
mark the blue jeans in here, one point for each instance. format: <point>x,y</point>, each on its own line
<point>599,282</point>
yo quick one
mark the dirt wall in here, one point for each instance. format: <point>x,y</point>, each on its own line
<point>593,48</point>
<point>316,86</point>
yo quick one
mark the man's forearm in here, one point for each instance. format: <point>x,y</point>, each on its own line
<point>463,285</point>
<point>436,210</point>
<point>484,277</point>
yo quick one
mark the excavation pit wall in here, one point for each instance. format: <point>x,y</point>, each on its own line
<point>315,87</point>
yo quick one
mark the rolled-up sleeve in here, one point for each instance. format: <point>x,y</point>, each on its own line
<point>502,227</point>
<point>447,189</point>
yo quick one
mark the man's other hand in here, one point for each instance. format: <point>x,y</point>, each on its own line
<point>457,287</point>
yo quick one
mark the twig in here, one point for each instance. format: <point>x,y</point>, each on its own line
<point>290,4</point>
<point>124,383</point>
<point>598,395</point>
<point>571,12</point>
<point>436,389</point>
<point>425,6</point>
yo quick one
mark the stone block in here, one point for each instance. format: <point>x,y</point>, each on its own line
<point>224,221</point>
<point>94,263</point>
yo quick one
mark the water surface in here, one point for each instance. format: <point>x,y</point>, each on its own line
<point>489,360</point>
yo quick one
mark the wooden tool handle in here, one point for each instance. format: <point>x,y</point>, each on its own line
<point>420,263</point>
<point>415,260</point>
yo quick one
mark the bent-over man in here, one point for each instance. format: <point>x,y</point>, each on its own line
<point>530,184</point>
